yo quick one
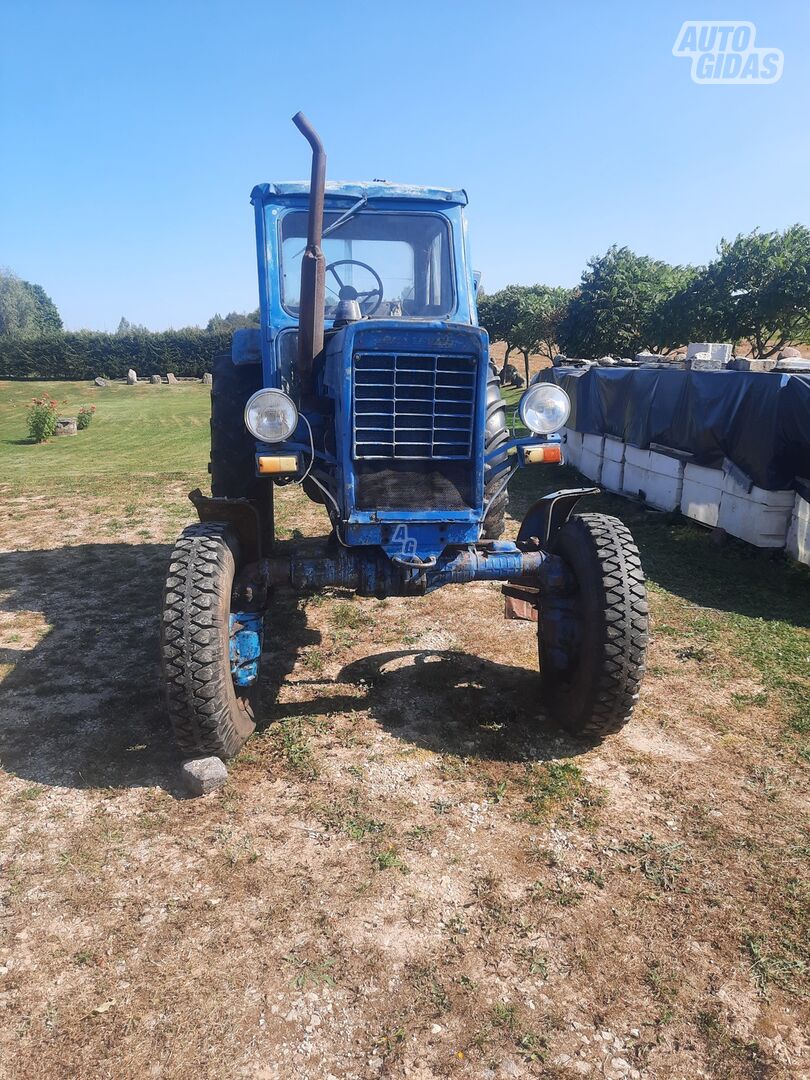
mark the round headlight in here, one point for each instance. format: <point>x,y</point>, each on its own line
<point>271,416</point>
<point>544,408</point>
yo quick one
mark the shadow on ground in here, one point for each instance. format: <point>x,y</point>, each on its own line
<point>453,703</point>
<point>83,707</point>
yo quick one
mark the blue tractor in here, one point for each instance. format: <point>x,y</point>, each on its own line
<point>369,384</point>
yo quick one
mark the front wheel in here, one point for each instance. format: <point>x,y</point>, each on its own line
<point>593,643</point>
<point>210,715</point>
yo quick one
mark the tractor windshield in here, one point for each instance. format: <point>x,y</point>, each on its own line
<point>398,264</point>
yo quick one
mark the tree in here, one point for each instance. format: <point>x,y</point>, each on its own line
<point>26,310</point>
<point>126,327</point>
<point>548,305</point>
<point>234,320</point>
<point>17,307</point>
<point>50,321</point>
<point>758,290</point>
<point>525,317</point>
<point>619,305</point>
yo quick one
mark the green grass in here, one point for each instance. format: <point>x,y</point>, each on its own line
<point>141,431</point>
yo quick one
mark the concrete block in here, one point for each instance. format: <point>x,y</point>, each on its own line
<point>201,776</point>
<point>701,493</point>
<point>612,464</point>
<point>718,351</point>
<point>798,534</point>
<point>744,363</point>
<point>572,447</point>
<point>753,514</point>
<point>799,367</point>
<point>655,477</point>
<point>613,448</point>
<point>590,459</point>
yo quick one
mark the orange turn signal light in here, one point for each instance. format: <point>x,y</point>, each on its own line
<point>277,464</point>
<point>535,455</point>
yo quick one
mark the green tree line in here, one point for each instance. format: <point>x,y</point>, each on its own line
<point>756,292</point>
<point>33,343</point>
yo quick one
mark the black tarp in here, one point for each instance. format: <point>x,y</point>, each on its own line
<point>760,421</point>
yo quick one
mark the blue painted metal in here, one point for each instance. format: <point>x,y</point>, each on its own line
<point>245,630</point>
<point>389,389</point>
<point>410,406</point>
<point>481,564</point>
<point>371,573</point>
<point>246,346</point>
<point>379,189</point>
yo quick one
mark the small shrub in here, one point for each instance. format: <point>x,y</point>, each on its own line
<point>42,417</point>
<point>86,413</point>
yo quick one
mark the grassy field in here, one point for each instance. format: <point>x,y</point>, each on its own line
<point>409,873</point>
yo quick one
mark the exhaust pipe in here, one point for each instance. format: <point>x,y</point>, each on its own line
<point>310,307</point>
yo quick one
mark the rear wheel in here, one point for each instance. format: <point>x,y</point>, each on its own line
<point>209,714</point>
<point>497,433</point>
<point>233,465</point>
<point>593,644</point>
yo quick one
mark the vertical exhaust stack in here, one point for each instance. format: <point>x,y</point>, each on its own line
<point>310,308</point>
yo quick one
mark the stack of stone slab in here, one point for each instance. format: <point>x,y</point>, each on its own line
<point>708,355</point>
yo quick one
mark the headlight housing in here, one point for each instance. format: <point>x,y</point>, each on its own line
<point>544,408</point>
<point>271,416</point>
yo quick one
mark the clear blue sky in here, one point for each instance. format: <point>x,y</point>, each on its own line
<point>132,134</point>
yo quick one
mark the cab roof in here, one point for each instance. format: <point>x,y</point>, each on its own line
<point>372,189</point>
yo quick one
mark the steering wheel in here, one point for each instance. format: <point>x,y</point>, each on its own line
<point>348,292</point>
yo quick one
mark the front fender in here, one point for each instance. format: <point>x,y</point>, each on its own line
<point>240,514</point>
<point>550,513</point>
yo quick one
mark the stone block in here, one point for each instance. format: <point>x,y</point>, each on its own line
<point>201,776</point>
<point>745,363</point>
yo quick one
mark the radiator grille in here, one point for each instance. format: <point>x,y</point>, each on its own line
<point>409,405</point>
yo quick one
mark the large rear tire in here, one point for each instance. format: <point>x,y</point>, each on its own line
<point>592,646</point>
<point>497,433</point>
<point>210,716</point>
<point>233,449</point>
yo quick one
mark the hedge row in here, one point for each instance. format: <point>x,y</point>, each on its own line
<point>87,355</point>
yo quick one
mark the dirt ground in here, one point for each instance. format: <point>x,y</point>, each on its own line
<point>409,873</point>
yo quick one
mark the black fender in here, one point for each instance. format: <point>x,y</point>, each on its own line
<point>240,514</point>
<point>550,513</point>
